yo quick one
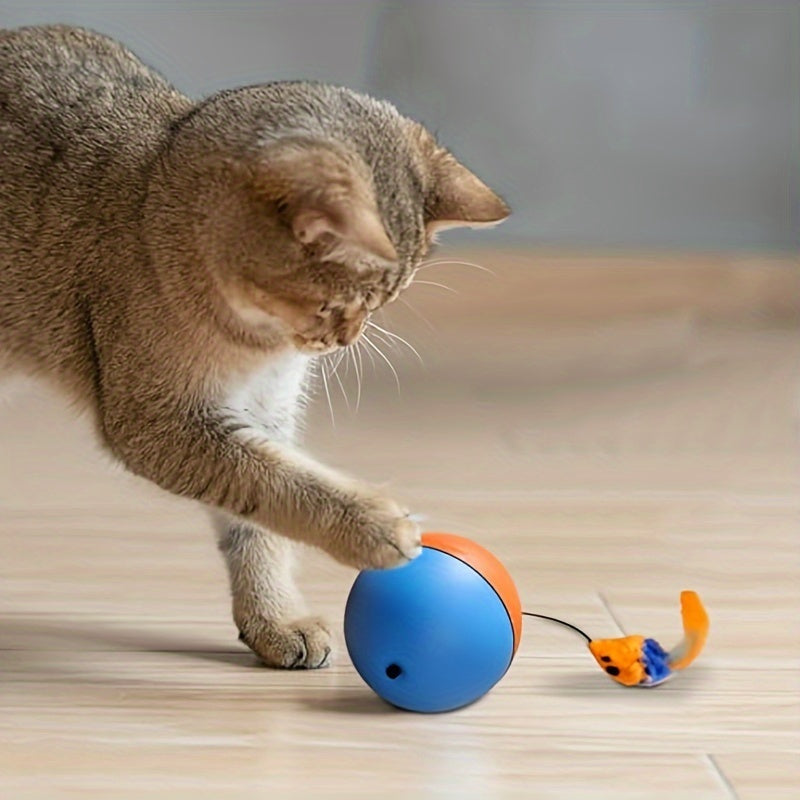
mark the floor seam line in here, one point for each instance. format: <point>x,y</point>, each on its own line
<point>722,777</point>
<point>611,613</point>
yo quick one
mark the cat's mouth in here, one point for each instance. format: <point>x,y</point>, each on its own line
<point>329,342</point>
<point>313,347</point>
<point>331,326</point>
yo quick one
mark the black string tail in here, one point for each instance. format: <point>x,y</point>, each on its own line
<point>560,622</point>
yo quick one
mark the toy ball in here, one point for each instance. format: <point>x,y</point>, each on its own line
<point>437,633</point>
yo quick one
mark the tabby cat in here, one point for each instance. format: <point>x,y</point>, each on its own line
<point>176,266</point>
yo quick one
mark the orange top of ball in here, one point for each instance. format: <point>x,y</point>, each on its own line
<point>485,564</point>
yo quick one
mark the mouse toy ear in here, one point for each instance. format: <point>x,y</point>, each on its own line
<point>326,196</point>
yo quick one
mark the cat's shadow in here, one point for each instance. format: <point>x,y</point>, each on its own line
<point>78,637</point>
<point>32,646</point>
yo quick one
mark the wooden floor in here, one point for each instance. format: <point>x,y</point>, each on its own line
<point>613,439</point>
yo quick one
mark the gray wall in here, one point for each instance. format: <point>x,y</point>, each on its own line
<point>656,123</point>
<point>647,123</point>
<point>203,46</point>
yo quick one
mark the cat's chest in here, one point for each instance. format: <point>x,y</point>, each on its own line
<point>268,397</point>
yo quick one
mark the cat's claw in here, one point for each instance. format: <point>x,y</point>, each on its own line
<point>302,644</point>
<point>375,533</point>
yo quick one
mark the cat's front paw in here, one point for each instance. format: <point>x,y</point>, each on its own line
<point>374,533</point>
<point>302,644</point>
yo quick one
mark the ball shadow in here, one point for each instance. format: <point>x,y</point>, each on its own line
<point>353,702</point>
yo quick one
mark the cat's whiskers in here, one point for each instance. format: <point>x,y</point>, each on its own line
<point>418,314</point>
<point>383,356</point>
<point>339,358</point>
<point>346,355</point>
<point>335,374</point>
<point>322,371</point>
<point>442,261</point>
<point>329,368</point>
<point>358,365</point>
<point>398,338</point>
<point>392,345</point>
<point>434,283</point>
<point>371,358</point>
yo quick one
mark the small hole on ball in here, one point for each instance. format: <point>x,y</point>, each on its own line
<point>393,671</point>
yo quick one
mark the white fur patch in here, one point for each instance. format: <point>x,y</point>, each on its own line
<point>267,400</point>
<point>14,385</point>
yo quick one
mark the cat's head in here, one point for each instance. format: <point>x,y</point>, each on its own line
<point>321,206</point>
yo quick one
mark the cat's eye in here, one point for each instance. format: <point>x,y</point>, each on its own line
<point>371,300</point>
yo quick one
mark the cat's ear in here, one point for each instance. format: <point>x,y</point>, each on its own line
<point>454,197</point>
<point>458,198</point>
<point>326,197</point>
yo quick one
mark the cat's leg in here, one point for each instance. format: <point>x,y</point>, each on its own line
<point>267,606</point>
<point>198,453</point>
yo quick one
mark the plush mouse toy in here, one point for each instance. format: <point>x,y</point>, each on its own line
<point>637,661</point>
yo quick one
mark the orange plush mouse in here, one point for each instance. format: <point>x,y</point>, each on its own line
<point>637,661</point>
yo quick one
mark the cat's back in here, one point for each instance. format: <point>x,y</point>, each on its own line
<point>80,116</point>
<point>62,82</point>
<point>80,121</point>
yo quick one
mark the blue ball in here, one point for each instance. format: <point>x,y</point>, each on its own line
<point>432,635</point>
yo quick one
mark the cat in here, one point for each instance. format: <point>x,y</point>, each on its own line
<point>176,266</point>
